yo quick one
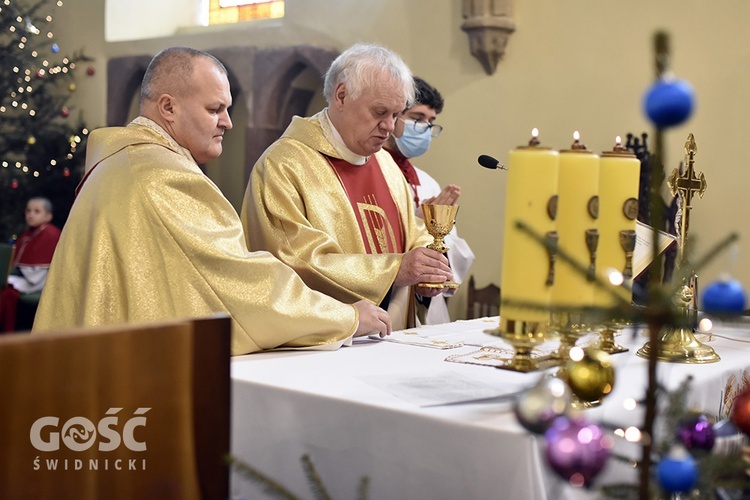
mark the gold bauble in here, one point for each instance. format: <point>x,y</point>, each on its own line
<point>31,140</point>
<point>592,377</point>
<point>72,87</point>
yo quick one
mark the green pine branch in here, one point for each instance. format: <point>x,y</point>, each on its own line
<point>276,490</point>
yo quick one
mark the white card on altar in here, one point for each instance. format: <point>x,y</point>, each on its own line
<point>413,336</point>
<point>644,253</point>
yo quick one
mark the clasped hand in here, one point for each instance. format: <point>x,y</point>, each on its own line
<point>448,196</point>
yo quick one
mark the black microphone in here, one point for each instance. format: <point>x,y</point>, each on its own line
<point>489,162</point>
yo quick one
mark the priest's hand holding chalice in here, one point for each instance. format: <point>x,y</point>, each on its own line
<point>439,220</point>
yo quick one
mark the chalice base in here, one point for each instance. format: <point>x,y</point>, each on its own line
<point>444,284</point>
<point>679,345</point>
<point>608,343</point>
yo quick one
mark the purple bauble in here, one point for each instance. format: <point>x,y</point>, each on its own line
<point>576,449</point>
<point>725,296</point>
<point>697,434</point>
<point>677,474</point>
<point>669,102</point>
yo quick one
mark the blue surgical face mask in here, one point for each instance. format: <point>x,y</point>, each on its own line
<point>412,143</point>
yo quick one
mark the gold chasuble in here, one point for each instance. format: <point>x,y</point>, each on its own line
<point>150,237</point>
<point>344,237</point>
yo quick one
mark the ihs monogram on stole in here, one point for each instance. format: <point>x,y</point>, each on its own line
<point>377,226</point>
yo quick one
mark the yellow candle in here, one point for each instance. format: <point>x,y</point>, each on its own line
<point>530,197</point>
<point>578,185</point>
<point>619,176</point>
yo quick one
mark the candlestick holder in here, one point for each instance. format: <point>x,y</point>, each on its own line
<point>607,341</point>
<point>524,336</point>
<point>678,344</point>
<point>439,220</point>
<point>569,326</point>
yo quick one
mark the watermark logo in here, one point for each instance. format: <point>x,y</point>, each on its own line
<point>80,433</point>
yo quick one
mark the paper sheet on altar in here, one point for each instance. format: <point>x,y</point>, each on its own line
<point>643,252</point>
<point>442,387</point>
<point>446,336</point>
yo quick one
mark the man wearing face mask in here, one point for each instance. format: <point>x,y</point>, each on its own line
<point>412,136</point>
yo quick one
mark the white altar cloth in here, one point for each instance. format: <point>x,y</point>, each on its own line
<point>350,411</point>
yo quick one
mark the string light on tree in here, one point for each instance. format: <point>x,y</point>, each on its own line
<point>42,147</point>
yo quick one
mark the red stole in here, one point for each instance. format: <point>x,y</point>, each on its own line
<point>36,246</point>
<point>409,172</point>
<point>376,212</point>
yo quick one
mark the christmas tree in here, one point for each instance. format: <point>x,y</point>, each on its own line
<point>42,150</point>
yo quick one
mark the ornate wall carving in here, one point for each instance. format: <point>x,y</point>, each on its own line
<point>489,24</point>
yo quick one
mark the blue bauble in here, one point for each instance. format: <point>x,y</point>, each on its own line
<point>725,297</point>
<point>677,474</point>
<point>669,102</point>
<point>55,48</point>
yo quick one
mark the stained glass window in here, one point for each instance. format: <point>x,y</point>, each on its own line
<point>233,11</point>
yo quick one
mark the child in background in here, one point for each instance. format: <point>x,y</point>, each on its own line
<point>33,255</point>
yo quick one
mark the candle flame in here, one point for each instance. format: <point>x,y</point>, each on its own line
<point>576,135</point>
<point>618,140</point>
<point>534,132</point>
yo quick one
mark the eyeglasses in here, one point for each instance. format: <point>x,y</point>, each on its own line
<point>421,126</point>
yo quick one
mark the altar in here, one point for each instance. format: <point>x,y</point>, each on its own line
<point>421,420</point>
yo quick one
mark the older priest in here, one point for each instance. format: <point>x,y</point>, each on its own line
<point>150,237</point>
<point>328,201</point>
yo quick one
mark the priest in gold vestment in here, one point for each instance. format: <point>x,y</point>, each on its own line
<point>150,237</point>
<point>328,201</point>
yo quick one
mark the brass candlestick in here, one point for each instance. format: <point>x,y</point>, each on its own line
<point>439,220</point>
<point>524,336</point>
<point>613,326</point>
<point>607,341</point>
<point>678,344</point>
<point>568,325</point>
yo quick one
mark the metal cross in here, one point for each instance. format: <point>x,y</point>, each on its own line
<point>686,186</point>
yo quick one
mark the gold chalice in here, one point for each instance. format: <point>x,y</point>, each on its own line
<point>439,220</point>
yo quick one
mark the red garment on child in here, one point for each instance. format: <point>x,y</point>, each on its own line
<point>34,247</point>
